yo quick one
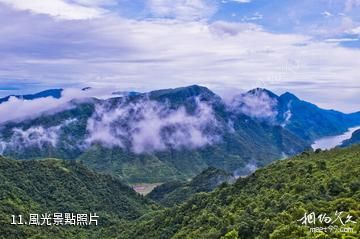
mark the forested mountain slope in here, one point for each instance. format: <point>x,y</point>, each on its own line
<point>51,186</point>
<point>268,203</point>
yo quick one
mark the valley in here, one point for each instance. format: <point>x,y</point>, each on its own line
<point>144,188</point>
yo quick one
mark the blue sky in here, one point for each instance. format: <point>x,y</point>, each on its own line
<point>308,47</point>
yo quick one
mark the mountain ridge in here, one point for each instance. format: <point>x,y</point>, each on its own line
<point>55,93</point>
<point>170,134</point>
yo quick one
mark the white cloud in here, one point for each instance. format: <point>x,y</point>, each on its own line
<point>327,14</point>
<point>36,136</point>
<point>238,1</point>
<point>162,53</point>
<point>351,4</point>
<point>341,39</point>
<point>255,17</point>
<point>56,8</point>
<point>355,31</point>
<point>232,28</point>
<point>149,126</point>
<point>19,109</point>
<point>287,116</point>
<point>258,105</point>
<point>182,9</point>
<point>95,3</point>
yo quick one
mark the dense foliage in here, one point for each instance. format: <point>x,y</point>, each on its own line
<point>266,204</point>
<point>269,203</point>
<point>51,186</point>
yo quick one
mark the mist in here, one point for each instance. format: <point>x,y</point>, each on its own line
<point>17,109</point>
<point>36,136</point>
<point>258,105</point>
<point>149,126</point>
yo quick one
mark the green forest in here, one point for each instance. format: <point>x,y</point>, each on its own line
<point>267,204</point>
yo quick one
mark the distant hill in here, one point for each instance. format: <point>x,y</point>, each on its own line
<point>304,119</point>
<point>177,192</point>
<point>355,139</point>
<point>55,93</point>
<point>174,134</point>
<point>125,93</point>
<point>310,122</point>
<point>50,186</point>
<point>269,203</point>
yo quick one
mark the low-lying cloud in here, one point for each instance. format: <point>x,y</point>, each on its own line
<point>19,109</point>
<point>287,115</point>
<point>248,169</point>
<point>36,136</point>
<point>258,105</point>
<point>149,126</point>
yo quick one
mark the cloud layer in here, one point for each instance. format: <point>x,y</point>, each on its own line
<point>182,9</point>
<point>258,105</point>
<point>20,109</point>
<point>143,126</point>
<point>36,136</point>
<point>56,8</point>
<point>149,126</point>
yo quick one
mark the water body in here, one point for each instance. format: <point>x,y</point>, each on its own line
<point>333,141</point>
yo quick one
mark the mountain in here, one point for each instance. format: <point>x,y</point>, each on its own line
<point>55,93</point>
<point>159,136</point>
<point>187,94</point>
<point>176,192</point>
<point>310,122</point>
<point>270,203</point>
<point>51,186</point>
<point>304,119</point>
<point>355,139</point>
<point>174,134</point>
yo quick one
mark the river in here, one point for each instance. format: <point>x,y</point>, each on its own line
<point>333,141</point>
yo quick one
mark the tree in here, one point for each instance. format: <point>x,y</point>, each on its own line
<point>231,235</point>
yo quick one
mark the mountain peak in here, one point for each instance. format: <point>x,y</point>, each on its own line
<point>183,92</point>
<point>287,96</point>
<point>258,91</point>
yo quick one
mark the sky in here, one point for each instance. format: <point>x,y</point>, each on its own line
<point>309,47</point>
